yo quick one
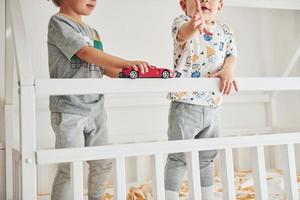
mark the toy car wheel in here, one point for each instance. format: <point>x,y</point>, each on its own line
<point>166,74</point>
<point>134,74</point>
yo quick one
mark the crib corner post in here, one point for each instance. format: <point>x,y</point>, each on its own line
<point>28,142</point>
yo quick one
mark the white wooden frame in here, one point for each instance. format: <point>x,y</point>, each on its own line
<point>278,4</point>
<point>30,88</point>
<point>2,83</point>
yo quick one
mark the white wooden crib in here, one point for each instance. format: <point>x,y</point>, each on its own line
<point>30,157</point>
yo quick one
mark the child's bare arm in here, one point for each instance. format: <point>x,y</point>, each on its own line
<point>195,25</point>
<point>107,61</point>
<point>227,75</point>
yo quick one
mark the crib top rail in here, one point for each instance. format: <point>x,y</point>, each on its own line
<point>138,149</point>
<point>274,4</point>
<point>96,86</point>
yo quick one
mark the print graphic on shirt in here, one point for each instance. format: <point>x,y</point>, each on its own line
<point>207,37</point>
<point>211,55</point>
<point>88,41</point>
<point>195,58</point>
<point>174,30</point>
<point>214,102</point>
<point>221,47</point>
<point>196,68</point>
<point>199,94</point>
<point>188,63</point>
<point>77,63</point>
<point>177,74</point>
<point>180,95</point>
<point>177,59</point>
<point>226,29</point>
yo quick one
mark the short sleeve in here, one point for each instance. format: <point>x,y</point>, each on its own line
<point>177,23</point>
<point>231,49</point>
<point>63,35</point>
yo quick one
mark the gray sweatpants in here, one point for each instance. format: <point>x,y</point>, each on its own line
<point>187,121</point>
<point>80,131</point>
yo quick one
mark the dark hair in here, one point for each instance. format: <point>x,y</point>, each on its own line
<point>57,2</point>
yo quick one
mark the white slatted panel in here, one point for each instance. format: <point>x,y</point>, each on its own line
<point>227,173</point>
<point>158,183</point>
<point>259,174</point>
<point>192,159</point>
<point>120,179</point>
<point>290,176</point>
<point>77,180</point>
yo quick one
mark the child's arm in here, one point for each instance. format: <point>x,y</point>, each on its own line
<point>226,74</point>
<point>107,61</point>
<point>196,23</point>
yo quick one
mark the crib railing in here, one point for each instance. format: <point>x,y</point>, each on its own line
<point>30,157</point>
<point>190,147</point>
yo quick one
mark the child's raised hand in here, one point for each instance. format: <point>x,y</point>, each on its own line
<point>227,80</point>
<point>198,20</point>
<point>142,65</point>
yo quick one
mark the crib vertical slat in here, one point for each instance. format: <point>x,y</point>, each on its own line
<point>227,173</point>
<point>192,159</point>
<point>120,179</point>
<point>158,177</point>
<point>290,175</point>
<point>77,180</point>
<point>259,174</point>
<point>28,142</point>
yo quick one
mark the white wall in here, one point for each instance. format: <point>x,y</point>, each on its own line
<point>141,29</point>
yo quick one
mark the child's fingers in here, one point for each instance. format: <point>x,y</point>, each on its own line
<point>228,87</point>
<point>215,75</point>
<point>141,68</point>
<point>206,31</point>
<point>145,66</point>
<point>196,23</point>
<point>222,86</point>
<point>198,6</point>
<point>134,67</point>
<point>201,28</point>
<point>235,85</point>
<point>196,17</point>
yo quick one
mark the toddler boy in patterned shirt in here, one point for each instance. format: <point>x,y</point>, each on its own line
<point>203,48</point>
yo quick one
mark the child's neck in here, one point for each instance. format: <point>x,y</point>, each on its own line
<point>70,13</point>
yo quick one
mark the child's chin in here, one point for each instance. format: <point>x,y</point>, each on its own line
<point>87,13</point>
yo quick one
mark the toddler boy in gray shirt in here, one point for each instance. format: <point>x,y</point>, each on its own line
<point>76,51</point>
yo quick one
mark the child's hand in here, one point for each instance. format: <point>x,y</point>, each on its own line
<point>198,20</point>
<point>142,65</point>
<point>227,80</point>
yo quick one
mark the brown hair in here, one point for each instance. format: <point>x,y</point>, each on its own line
<point>57,2</point>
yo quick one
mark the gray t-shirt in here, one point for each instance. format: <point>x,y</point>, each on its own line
<point>65,38</point>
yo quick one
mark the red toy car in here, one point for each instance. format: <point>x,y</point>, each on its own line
<point>153,72</point>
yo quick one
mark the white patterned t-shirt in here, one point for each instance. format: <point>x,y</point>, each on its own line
<point>202,55</point>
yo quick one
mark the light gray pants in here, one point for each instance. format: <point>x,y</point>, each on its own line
<point>80,131</point>
<point>187,121</point>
